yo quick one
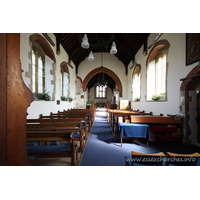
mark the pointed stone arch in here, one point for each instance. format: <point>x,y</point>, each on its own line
<point>157,48</point>
<point>106,71</point>
<point>44,45</point>
<point>79,79</point>
<point>64,66</point>
<point>188,83</point>
<point>136,69</point>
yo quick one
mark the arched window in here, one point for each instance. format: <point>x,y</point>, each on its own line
<point>136,83</point>
<point>64,80</point>
<point>38,77</point>
<point>157,72</point>
<point>101,91</point>
<point>42,70</point>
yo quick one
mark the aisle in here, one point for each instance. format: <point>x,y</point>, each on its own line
<point>100,150</point>
<point>103,150</point>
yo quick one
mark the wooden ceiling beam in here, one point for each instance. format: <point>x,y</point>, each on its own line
<point>144,38</point>
<point>58,42</point>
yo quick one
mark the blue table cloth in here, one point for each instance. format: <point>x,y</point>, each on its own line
<point>134,130</point>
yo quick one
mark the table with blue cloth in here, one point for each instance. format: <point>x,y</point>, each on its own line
<point>134,130</point>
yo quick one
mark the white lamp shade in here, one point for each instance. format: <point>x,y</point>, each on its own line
<point>85,43</point>
<point>113,48</point>
<point>91,57</point>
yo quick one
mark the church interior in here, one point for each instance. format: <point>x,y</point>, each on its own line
<point>88,98</point>
<point>60,76</point>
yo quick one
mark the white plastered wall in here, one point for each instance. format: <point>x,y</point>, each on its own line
<point>177,69</point>
<point>45,107</point>
<point>109,61</point>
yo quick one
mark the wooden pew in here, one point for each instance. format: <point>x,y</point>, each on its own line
<point>57,118</point>
<point>110,114</point>
<point>125,114</point>
<point>91,113</point>
<point>52,135</point>
<point>159,124</point>
<point>57,125</point>
<point>62,115</point>
<point>113,113</point>
<point>77,113</point>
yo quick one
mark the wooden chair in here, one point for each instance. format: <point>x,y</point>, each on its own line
<point>145,159</point>
<point>182,159</point>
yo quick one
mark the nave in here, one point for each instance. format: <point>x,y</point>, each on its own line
<point>101,149</point>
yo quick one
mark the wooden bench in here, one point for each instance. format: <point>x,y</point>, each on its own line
<point>61,115</point>
<point>75,113</point>
<point>57,125</point>
<point>57,118</point>
<point>49,151</point>
<point>160,124</point>
<point>124,114</point>
<point>91,113</point>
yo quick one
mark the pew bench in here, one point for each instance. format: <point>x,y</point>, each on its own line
<point>161,125</point>
<point>45,125</point>
<point>90,114</point>
<point>61,119</point>
<point>125,117</point>
<point>64,115</point>
<point>69,150</point>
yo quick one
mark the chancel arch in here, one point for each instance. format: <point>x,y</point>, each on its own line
<point>106,71</point>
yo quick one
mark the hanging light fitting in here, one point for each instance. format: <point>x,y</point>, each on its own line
<point>101,81</point>
<point>85,44</point>
<point>91,57</point>
<point>113,48</point>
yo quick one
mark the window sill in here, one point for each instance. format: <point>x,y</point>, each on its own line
<point>156,101</point>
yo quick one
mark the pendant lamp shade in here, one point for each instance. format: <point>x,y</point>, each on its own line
<point>91,57</point>
<point>113,48</point>
<point>85,43</point>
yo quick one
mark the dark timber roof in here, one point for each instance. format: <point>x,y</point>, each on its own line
<point>127,44</point>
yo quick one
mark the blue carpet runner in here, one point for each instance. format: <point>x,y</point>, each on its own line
<point>103,150</point>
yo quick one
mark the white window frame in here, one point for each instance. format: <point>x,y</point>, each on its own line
<point>64,83</point>
<point>38,72</point>
<point>157,78</point>
<point>100,92</point>
<point>136,87</point>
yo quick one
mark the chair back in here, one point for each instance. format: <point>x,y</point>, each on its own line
<point>155,159</point>
<point>182,159</point>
